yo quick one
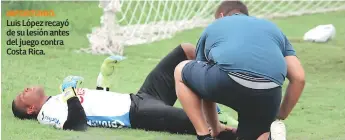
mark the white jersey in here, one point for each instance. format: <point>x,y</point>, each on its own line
<point>102,108</point>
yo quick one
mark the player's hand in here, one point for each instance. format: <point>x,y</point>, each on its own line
<point>108,64</point>
<point>223,127</point>
<point>71,81</point>
<point>108,70</point>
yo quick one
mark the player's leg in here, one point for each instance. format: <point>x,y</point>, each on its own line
<point>196,82</point>
<point>255,119</point>
<point>152,114</point>
<point>257,104</point>
<point>160,81</point>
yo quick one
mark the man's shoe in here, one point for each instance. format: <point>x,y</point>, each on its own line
<point>278,130</point>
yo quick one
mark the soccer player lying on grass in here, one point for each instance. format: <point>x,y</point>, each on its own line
<point>76,108</point>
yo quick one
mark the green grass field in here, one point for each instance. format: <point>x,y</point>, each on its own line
<point>320,113</point>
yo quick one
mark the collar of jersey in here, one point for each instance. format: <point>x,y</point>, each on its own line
<point>238,14</point>
<point>48,98</point>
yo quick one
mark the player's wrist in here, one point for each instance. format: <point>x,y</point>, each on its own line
<point>69,93</point>
<point>72,99</point>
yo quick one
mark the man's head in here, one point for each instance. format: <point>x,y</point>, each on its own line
<point>228,8</point>
<point>28,103</point>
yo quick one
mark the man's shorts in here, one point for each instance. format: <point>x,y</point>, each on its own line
<point>256,108</point>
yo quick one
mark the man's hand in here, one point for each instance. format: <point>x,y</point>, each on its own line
<point>107,70</point>
<point>71,81</point>
<point>108,64</point>
<point>221,128</point>
<point>296,76</point>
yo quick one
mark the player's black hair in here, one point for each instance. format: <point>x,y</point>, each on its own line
<point>21,114</point>
<point>226,7</point>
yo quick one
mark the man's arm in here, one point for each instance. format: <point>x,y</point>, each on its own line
<point>76,118</point>
<point>200,48</point>
<point>296,77</point>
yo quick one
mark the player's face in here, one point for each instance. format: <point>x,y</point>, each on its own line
<point>29,97</point>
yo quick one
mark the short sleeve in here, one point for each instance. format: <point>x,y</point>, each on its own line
<point>288,49</point>
<point>200,47</point>
<point>54,113</point>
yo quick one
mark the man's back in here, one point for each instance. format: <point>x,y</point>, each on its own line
<point>247,44</point>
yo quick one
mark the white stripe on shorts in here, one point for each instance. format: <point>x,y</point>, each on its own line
<point>254,85</point>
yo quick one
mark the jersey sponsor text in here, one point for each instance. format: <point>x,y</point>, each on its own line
<point>107,124</point>
<point>50,119</point>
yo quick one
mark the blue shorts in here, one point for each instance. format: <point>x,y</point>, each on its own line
<point>256,108</point>
<point>204,79</point>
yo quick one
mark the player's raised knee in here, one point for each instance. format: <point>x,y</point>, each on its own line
<point>189,50</point>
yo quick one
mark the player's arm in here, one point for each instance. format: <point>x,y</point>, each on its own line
<point>296,77</point>
<point>200,48</point>
<point>64,112</point>
<point>76,117</point>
